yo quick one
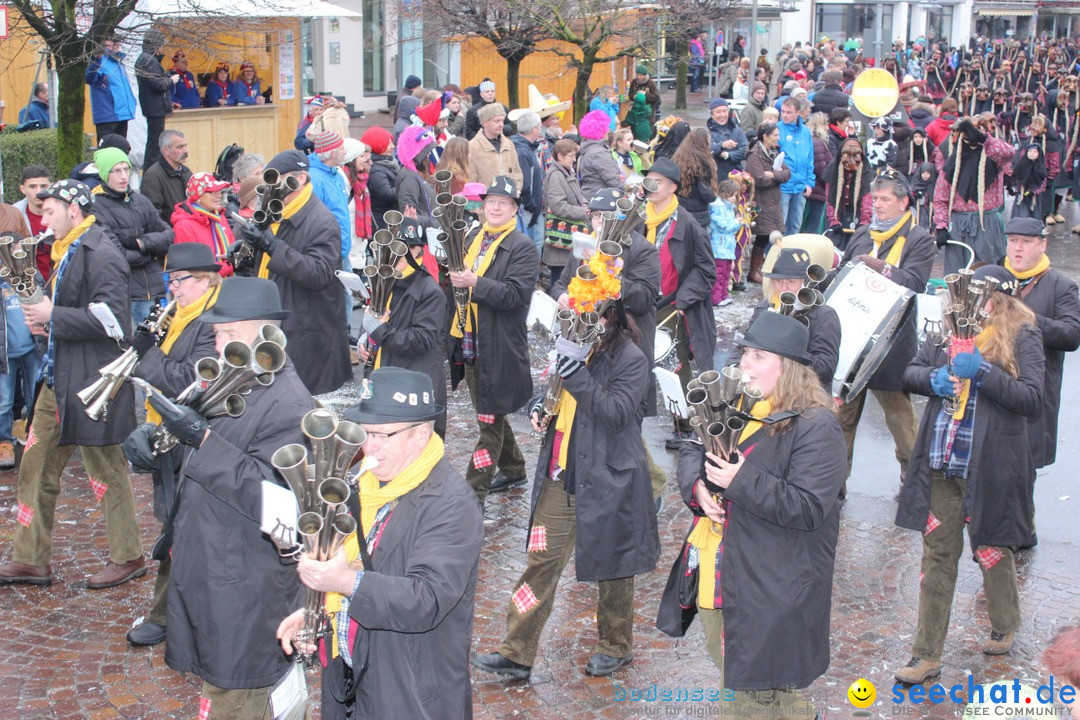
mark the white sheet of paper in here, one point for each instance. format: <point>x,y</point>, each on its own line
<point>108,321</point>
<point>543,309</point>
<point>279,508</point>
<point>582,243</point>
<point>671,389</point>
<point>288,697</point>
<point>352,282</point>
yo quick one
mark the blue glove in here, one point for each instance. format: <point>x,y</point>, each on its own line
<point>967,365</point>
<point>940,384</point>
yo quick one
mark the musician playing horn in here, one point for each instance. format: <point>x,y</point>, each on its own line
<point>894,245</point>
<point>87,267</point>
<point>789,275</point>
<point>965,474</point>
<point>403,623</point>
<point>193,278</point>
<point>228,588</point>
<point>767,516</point>
<point>412,332</point>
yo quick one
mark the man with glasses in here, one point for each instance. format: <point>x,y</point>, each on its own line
<point>402,615</point>
<point>140,233</point>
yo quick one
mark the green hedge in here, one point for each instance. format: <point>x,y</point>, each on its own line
<point>19,149</point>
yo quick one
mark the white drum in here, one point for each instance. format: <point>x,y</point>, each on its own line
<point>871,308</point>
<point>663,346</point>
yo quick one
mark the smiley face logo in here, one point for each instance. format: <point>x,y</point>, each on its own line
<point>862,693</point>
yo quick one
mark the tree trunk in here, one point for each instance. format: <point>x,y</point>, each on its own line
<point>682,48</point>
<point>513,72</point>
<point>581,86</point>
<point>71,102</point>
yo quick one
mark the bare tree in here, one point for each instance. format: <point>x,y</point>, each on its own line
<point>682,18</point>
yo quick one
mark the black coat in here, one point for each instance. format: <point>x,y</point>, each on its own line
<point>96,273</point>
<point>412,337</point>
<point>998,499</point>
<point>1053,299</point>
<point>415,608</point>
<point>502,296</point>
<point>130,217</point>
<point>824,347</point>
<point>829,98</point>
<point>411,189</point>
<point>779,550</point>
<point>155,86</point>
<point>691,252</point>
<point>640,286</point>
<point>303,266</point>
<point>614,510</point>
<point>913,272</point>
<point>532,185</point>
<point>382,187</point>
<point>696,202</point>
<point>164,187</point>
<point>229,590</point>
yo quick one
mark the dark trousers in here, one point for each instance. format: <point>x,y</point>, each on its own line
<point>154,127</point>
<point>496,448</point>
<point>112,128</point>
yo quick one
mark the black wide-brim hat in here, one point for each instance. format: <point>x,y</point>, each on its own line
<point>246,298</point>
<point>504,186</point>
<point>395,395</point>
<point>779,334</point>
<point>667,168</point>
<point>190,256</point>
<point>790,264</point>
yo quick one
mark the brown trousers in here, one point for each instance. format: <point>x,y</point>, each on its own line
<point>496,448</point>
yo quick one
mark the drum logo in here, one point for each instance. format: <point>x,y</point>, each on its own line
<point>874,283</point>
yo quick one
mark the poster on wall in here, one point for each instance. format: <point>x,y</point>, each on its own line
<point>286,89</point>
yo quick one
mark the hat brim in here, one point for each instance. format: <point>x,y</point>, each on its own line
<point>498,193</point>
<point>741,341</point>
<point>781,275</point>
<point>356,415</point>
<point>213,316</point>
<point>197,268</point>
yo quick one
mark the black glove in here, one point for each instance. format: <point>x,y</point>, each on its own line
<point>143,340</point>
<point>260,238</point>
<point>837,230</point>
<point>941,237</point>
<point>129,243</point>
<point>137,448</point>
<point>972,134</point>
<point>188,426</point>
<point>566,367</point>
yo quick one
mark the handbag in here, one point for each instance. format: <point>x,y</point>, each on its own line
<point>558,231</point>
<point>678,604</point>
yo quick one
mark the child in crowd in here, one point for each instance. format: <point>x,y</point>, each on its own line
<point>922,189</point>
<point>20,353</point>
<point>723,223</point>
<point>882,150</point>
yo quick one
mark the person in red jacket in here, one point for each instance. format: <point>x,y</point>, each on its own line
<point>201,218</point>
<point>940,128</point>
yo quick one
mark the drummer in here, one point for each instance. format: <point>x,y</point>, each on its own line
<point>788,275</point>
<point>895,246</point>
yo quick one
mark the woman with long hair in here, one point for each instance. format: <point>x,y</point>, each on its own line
<point>247,89</point>
<point>764,530</point>
<point>455,158</point>
<point>972,469</point>
<point>699,184</point>
<point>768,172</point>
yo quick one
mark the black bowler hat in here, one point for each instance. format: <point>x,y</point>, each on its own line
<point>245,298</point>
<point>190,256</point>
<point>780,334</point>
<point>667,168</point>
<point>790,264</point>
<point>412,233</point>
<point>395,395</point>
<point>504,186</point>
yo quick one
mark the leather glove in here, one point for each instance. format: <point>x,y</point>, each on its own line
<point>837,230</point>
<point>875,264</point>
<point>567,367</point>
<point>260,238</point>
<point>967,365</point>
<point>143,340</point>
<point>972,134</point>
<point>941,237</point>
<point>188,426</point>
<point>940,384</point>
<point>137,448</point>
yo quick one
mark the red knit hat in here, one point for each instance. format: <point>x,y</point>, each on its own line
<point>429,113</point>
<point>327,141</point>
<point>377,138</point>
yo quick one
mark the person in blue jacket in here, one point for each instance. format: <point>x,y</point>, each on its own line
<point>218,92</point>
<point>112,101</point>
<point>605,100</point>
<point>247,89</point>
<point>37,110</point>
<point>798,147</point>
<point>185,94</point>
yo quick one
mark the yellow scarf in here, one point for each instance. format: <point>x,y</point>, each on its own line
<point>409,270</point>
<point>653,219</point>
<point>60,247</point>
<point>981,341</point>
<point>707,535</point>
<point>182,317</point>
<point>373,495</point>
<point>290,209</point>
<point>880,238</point>
<point>470,262</point>
<point>1040,267</point>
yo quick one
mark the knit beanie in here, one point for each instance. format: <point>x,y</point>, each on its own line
<point>412,82</point>
<point>327,141</point>
<point>641,70</point>
<point>106,159</point>
<point>595,125</point>
<point>377,138</point>
<point>486,86</point>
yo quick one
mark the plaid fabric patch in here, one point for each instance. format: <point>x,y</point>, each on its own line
<point>25,515</point>
<point>524,600</point>
<point>31,438</point>
<point>932,524</point>
<point>99,488</point>
<point>481,459</point>
<point>989,556</point>
<point>204,708</point>
<point>537,539</point>
<point>486,419</point>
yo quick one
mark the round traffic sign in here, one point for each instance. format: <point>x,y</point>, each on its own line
<point>875,92</point>
<point>719,37</point>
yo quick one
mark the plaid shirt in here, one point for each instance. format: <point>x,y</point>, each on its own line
<point>344,622</point>
<point>950,444</point>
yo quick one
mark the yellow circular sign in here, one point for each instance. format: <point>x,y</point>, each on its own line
<point>875,92</point>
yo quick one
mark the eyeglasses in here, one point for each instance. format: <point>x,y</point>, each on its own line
<point>384,436</point>
<point>175,282</point>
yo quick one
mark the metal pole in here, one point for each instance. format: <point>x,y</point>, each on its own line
<point>753,42</point>
<point>879,22</point>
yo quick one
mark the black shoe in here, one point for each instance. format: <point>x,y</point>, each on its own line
<point>146,633</point>
<point>601,664</point>
<point>496,663</point>
<point>659,504</point>
<point>676,439</point>
<point>501,482</point>
<point>739,287</point>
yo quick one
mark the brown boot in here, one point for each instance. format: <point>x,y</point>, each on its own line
<point>114,574</point>
<point>7,456</point>
<point>757,259</point>
<point>918,670</point>
<point>999,643</point>
<point>17,572</point>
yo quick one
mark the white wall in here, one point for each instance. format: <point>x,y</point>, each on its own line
<point>345,78</point>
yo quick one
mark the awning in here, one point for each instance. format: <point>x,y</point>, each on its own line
<point>170,9</point>
<point>995,12</point>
